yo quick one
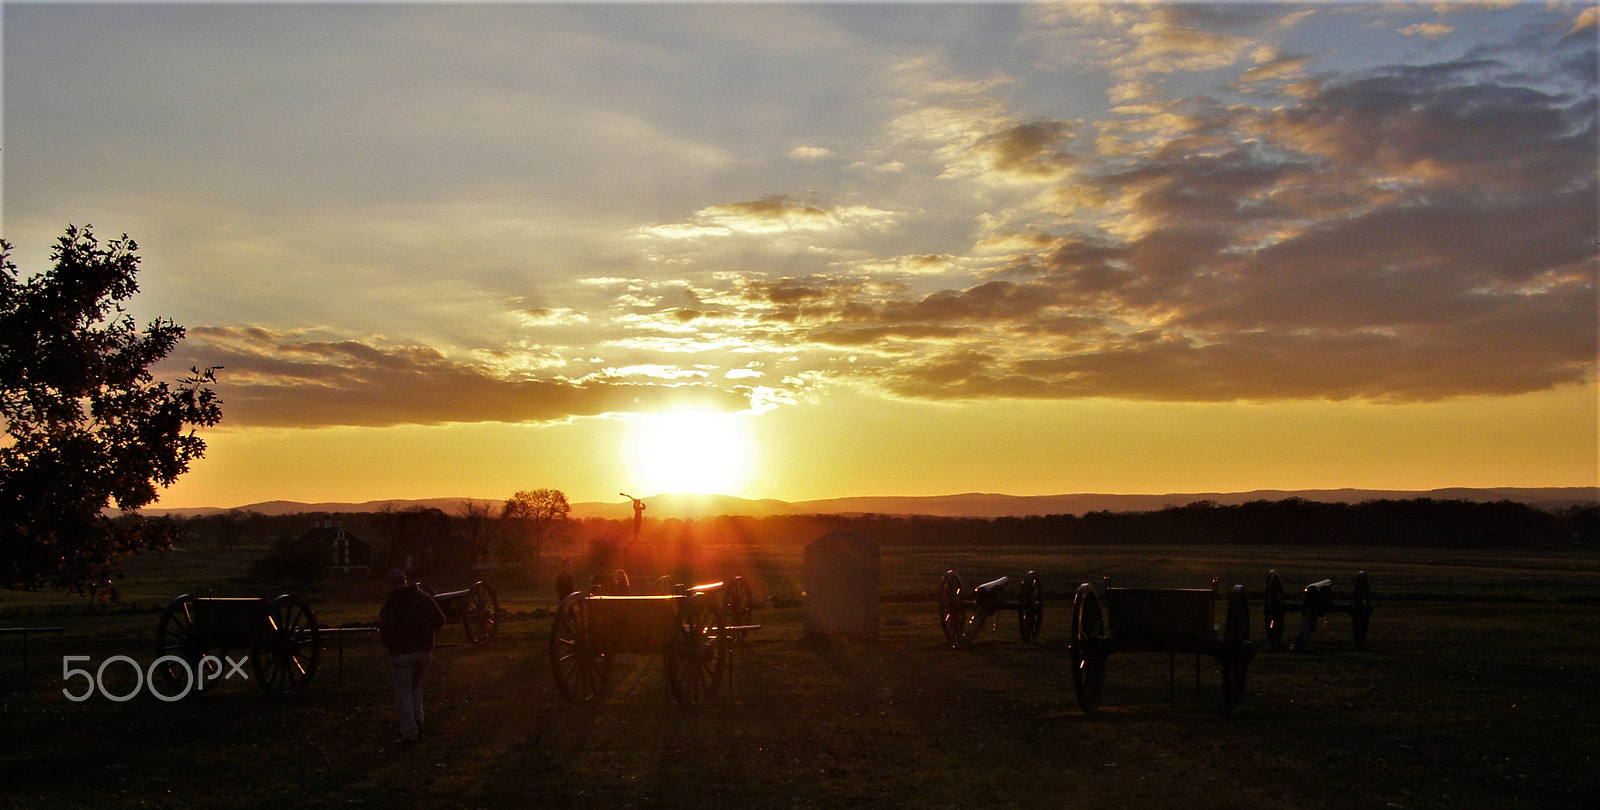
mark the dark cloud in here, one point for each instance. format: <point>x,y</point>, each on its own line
<point>791,300</point>
<point>881,334</point>
<point>771,208</point>
<point>1030,151</point>
<point>1459,124</point>
<point>278,380</point>
<point>1411,233</point>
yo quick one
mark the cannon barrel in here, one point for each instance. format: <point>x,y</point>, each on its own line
<point>991,595</point>
<point>963,613</point>
<point>1316,602</point>
<point>475,605</point>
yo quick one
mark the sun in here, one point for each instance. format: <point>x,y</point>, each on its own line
<point>690,451</point>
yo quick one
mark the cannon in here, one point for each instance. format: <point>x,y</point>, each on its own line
<point>691,629</point>
<point>280,632</point>
<point>476,607</point>
<point>963,613</point>
<point>1315,604</point>
<point>737,600</point>
<point>1159,620</point>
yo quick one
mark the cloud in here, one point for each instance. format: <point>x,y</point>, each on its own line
<point>928,264</point>
<point>777,213</point>
<point>1586,20</point>
<point>769,215</point>
<point>1457,123</point>
<point>808,153</point>
<point>1139,42</point>
<point>552,316</point>
<point>276,379</point>
<point>1296,230</point>
<point>1431,31</point>
<point>1273,67</point>
<point>1030,152</point>
<point>1406,233</point>
<point>1167,41</point>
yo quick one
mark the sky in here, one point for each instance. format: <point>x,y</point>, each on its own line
<point>809,251</point>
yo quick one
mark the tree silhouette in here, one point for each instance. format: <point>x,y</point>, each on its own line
<point>88,427</point>
<point>532,516</point>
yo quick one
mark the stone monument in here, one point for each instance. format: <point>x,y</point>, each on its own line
<point>841,576</point>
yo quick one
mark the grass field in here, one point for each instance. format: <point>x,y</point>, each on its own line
<point>1477,688</point>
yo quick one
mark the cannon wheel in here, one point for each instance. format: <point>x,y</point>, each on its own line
<point>952,608</point>
<point>697,652</point>
<point>176,635</point>
<point>482,614</point>
<point>1088,661</point>
<point>581,668</point>
<point>1273,610</point>
<point>1361,610</point>
<point>1030,612</point>
<point>740,604</point>
<point>286,645</point>
<point>1235,648</point>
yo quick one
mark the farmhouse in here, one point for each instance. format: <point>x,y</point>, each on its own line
<point>345,552</point>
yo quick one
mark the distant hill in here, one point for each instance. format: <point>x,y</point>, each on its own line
<point>450,505</point>
<point>687,505</point>
<point>972,504</point>
<point>977,504</point>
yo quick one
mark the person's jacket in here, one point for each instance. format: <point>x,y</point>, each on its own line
<point>408,621</point>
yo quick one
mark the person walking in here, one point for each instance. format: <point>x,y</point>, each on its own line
<point>407,622</point>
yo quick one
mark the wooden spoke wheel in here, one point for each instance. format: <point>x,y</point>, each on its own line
<point>1273,611</point>
<point>1236,650</point>
<point>1361,609</point>
<point>1030,610</point>
<point>740,604</point>
<point>697,651</point>
<point>285,646</point>
<point>177,635</point>
<point>1088,659</point>
<point>952,608</point>
<point>481,615</point>
<point>581,668</point>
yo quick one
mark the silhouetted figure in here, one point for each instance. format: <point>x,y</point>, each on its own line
<point>638,514</point>
<point>564,584</point>
<point>407,622</point>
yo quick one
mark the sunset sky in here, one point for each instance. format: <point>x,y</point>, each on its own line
<point>808,251</point>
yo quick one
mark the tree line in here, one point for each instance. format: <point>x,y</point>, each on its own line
<point>455,542</point>
<point>1420,522</point>
<point>1417,522</point>
<point>420,540</point>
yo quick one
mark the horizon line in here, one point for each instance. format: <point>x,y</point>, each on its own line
<point>1594,489</point>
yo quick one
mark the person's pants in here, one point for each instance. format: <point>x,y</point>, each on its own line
<point>408,670</point>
